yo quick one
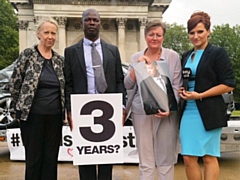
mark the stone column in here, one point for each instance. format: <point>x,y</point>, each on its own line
<point>121,36</point>
<point>62,21</point>
<point>142,42</point>
<point>22,26</point>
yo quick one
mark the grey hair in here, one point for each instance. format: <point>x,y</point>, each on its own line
<point>153,24</point>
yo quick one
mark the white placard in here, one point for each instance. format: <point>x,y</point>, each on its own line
<point>97,129</point>
<point>129,145</point>
<point>15,144</point>
<point>16,147</point>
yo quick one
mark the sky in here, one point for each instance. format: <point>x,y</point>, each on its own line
<point>220,11</point>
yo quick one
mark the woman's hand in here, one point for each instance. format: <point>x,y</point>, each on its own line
<point>141,59</point>
<point>161,114</point>
<point>187,95</point>
<point>144,58</point>
<point>180,91</point>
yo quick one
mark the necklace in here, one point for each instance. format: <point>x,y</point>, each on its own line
<point>154,56</point>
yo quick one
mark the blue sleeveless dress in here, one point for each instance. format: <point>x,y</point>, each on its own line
<point>195,140</point>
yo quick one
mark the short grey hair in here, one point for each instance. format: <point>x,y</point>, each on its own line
<point>153,24</point>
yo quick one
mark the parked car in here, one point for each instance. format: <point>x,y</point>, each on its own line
<point>6,112</point>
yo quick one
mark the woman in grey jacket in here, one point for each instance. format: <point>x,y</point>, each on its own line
<point>37,89</point>
<point>157,134</point>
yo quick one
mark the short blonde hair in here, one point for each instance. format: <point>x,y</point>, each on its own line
<point>44,20</point>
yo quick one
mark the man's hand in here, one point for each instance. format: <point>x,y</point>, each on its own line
<point>124,115</point>
<point>70,122</point>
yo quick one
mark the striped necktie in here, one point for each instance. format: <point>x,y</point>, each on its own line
<point>100,80</point>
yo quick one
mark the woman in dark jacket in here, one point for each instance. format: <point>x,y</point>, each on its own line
<point>207,74</point>
<point>37,88</point>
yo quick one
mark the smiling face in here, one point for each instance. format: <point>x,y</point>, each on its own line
<point>154,37</point>
<point>47,34</point>
<point>91,24</point>
<point>199,36</point>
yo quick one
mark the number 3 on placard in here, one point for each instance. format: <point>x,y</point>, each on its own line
<point>104,120</point>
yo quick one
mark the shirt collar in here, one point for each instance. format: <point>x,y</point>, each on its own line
<point>158,77</point>
<point>88,42</point>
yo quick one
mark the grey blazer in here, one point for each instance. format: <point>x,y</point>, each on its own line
<point>165,131</point>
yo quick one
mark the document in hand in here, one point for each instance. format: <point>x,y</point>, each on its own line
<point>155,87</point>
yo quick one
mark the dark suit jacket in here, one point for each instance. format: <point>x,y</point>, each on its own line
<point>150,91</point>
<point>76,75</point>
<point>213,69</point>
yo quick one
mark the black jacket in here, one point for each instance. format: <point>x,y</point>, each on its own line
<point>76,74</point>
<point>213,69</point>
<point>150,91</point>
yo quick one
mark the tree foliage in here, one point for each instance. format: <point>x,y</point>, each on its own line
<point>9,48</point>
<point>176,38</point>
<point>229,38</point>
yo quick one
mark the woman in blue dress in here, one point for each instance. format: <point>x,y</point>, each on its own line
<point>207,74</point>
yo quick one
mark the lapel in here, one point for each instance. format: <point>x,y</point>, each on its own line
<point>164,79</point>
<point>185,57</point>
<point>36,57</point>
<point>81,59</point>
<point>105,54</point>
<point>203,60</point>
<point>35,60</point>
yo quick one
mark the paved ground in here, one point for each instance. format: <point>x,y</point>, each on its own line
<point>14,170</point>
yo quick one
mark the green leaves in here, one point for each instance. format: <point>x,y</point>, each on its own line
<point>176,38</point>
<point>9,34</point>
<point>229,38</point>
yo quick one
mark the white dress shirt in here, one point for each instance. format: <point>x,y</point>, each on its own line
<point>160,82</point>
<point>88,61</point>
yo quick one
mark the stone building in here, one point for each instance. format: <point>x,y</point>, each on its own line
<point>122,21</point>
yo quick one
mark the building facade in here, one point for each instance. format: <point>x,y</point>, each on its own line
<point>122,21</point>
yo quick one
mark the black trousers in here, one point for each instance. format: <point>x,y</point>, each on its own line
<point>88,172</point>
<point>41,136</point>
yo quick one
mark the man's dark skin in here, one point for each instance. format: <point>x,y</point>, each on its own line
<point>91,25</point>
<point>77,80</point>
